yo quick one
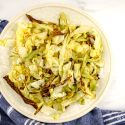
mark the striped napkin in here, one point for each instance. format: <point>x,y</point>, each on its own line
<point>9,116</point>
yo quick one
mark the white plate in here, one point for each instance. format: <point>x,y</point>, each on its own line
<point>50,12</point>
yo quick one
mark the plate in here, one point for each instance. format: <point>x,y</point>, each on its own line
<point>50,12</point>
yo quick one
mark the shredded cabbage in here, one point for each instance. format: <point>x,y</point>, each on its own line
<point>55,65</point>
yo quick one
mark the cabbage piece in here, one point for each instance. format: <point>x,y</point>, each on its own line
<point>36,98</point>
<point>63,20</point>
<point>89,92</point>
<point>77,73</point>
<point>70,82</point>
<point>71,28</point>
<point>81,29</point>
<point>37,84</point>
<point>18,75</point>
<point>38,61</point>
<point>76,36</point>
<point>57,93</point>
<point>33,68</point>
<point>93,85</point>
<point>21,77</point>
<point>99,63</point>
<point>68,102</point>
<point>57,104</point>
<point>98,40</point>
<point>51,61</point>
<point>28,45</point>
<point>62,54</point>
<point>58,39</point>
<point>48,101</point>
<point>22,52</point>
<point>94,53</point>
<point>81,101</point>
<point>82,38</point>
<point>32,54</point>
<point>68,55</point>
<point>66,69</point>
<point>2,42</point>
<point>42,27</point>
<point>77,47</point>
<point>95,69</point>
<point>41,36</point>
<point>22,33</point>
<point>34,71</point>
<point>86,73</point>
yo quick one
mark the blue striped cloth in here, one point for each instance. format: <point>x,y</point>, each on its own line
<point>9,116</point>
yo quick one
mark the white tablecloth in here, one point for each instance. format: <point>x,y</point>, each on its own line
<point>111,16</point>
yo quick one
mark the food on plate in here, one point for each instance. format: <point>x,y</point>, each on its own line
<point>54,65</point>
